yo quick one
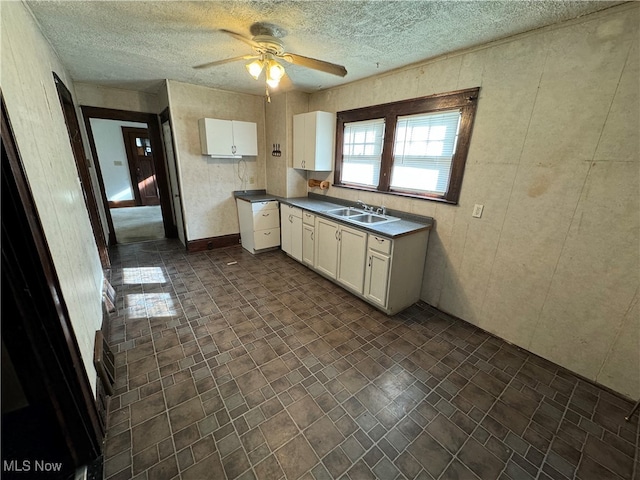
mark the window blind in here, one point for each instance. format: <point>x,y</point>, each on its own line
<point>423,151</point>
<point>362,152</point>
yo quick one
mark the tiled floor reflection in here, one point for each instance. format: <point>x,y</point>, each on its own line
<point>263,369</point>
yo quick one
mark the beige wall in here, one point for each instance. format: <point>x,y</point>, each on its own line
<point>553,264</point>
<point>41,133</point>
<point>118,98</point>
<point>207,183</point>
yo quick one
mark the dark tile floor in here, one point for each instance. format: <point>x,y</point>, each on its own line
<point>263,369</point>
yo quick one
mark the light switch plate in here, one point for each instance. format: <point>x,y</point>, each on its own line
<point>477,211</point>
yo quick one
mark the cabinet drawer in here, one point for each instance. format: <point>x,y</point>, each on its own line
<point>308,218</point>
<point>380,244</point>
<point>266,219</point>
<point>266,238</point>
<point>291,210</point>
<point>260,206</point>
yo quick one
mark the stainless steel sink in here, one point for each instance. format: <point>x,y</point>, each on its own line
<point>369,218</point>
<point>345,212</point>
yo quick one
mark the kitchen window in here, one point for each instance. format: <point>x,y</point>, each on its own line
<point>414,148</point>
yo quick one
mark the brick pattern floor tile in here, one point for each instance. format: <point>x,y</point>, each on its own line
<point>235,366</point>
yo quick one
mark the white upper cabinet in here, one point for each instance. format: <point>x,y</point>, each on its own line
<point>313,141</point>
<point>228,138</point>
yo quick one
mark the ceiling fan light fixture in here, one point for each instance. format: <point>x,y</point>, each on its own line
<point>275,71</point>
<point>255,68</point>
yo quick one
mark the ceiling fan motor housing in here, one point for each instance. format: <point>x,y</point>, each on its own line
<point>268,44</point>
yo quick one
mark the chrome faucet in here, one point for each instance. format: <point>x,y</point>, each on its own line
<point>381,210</point>
<point>365,207</point>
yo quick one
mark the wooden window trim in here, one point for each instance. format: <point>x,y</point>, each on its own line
<point>465,100</point>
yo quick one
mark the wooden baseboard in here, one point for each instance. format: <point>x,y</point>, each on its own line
<point>122,203</point>
<point>213,242</point>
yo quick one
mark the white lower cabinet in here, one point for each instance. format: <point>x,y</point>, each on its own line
<point>308,238</point>
<point>340,253</point>
<point>291,230</point>
<point>259,224</point>
<point>352,247</point>
<point>385,272</point>
<point>326,247</point>
<point>376,279</point>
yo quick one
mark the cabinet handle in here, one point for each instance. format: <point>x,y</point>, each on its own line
<point>312,235</point>
<point>233,149</point>
<point>337,235</point>
<point>379,240</point>
<point>370,258</point>
<point>267,233</point>
<point>266,214</point>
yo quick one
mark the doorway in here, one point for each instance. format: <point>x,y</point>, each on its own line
<point>130,165</point>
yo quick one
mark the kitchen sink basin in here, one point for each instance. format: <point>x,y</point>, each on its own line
<point>369,218</point>
<point>345,212</point>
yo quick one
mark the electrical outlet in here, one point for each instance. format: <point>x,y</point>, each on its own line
<point>252,180</point>
<point>477,211</point>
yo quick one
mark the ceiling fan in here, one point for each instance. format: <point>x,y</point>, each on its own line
<point>267,48</point>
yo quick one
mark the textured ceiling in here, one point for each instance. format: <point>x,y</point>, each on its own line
<point>137,44</point>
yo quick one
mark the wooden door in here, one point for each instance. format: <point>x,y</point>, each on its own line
<point>172,173</point>
<point>73,128</point>
<point>141,166</point>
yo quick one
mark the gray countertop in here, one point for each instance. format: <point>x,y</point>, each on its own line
<point>252,196</point>
<point>407,224</point>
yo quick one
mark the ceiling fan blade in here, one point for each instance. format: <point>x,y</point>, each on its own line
<point>242,38</point>
<point>315,64</point>
<point>227,60</point>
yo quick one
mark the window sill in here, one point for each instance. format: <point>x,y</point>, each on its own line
<point>415,196</point>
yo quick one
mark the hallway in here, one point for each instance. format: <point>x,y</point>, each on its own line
<point>137,224</point>
<point>238,366</point>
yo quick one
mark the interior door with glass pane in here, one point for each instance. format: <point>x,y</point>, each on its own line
<point>141,166</point>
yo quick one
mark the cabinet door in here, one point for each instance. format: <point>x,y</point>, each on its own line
<point>377,277</point>
<point>308,244</point>
<point>298,140</point>
<point>309,140</point>
<point>216,136</point>
<point>326,247</point>
<point>351,260</point>
<point>324,131</point>
<point>285,229</point>
<point>296,237</point>
<point>245,138</point>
